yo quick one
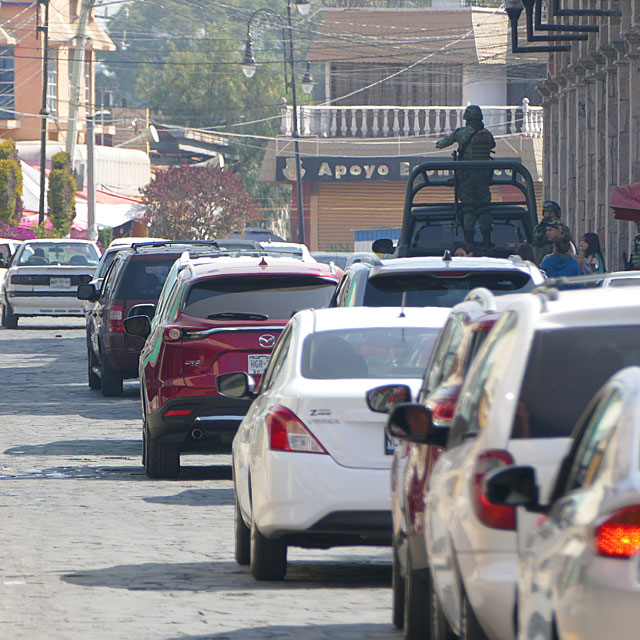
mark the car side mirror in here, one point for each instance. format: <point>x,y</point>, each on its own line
<point>138,326</point>
<point>383,245</point>
<point>238,385</point>
<point>513,487</point>
<point>148,310</point>
<point>87,292</point>
<point>413,422</point>
<point>381,399</point>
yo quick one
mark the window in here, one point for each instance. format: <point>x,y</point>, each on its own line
<point>7,83</point>
<point>52,82</point>
<point>276,362</point>
<point>145,278</point>
<point>480,388</point>
<point>59,253</point>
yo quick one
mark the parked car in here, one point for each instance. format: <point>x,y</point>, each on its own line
<point>43,276</point>
<point>542,363</point>
<point>215,315</point>
<point>462,336</point>
<point>136,276</point>
<point>310,461</point>
<point>8,247</point>
<point>288,248</point>
<point>578,574</point>
<point>431,282</point>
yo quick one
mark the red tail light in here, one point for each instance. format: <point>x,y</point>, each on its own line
<point>491,515</point>
<point>484,326</point>
<point>619,536</point>
<point>443,411</point>
<point>116,318</point>
<point>177,412</point>
<point>172,334</point>
<point>288,433</point>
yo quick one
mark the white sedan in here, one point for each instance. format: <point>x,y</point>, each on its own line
<point>579,574</point>
<point>311,460</point>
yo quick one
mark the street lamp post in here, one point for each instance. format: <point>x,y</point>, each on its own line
<point>249,69</point>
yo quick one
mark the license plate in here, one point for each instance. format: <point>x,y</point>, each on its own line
<point>59,283</point>
<point>257,363</point>
<point>390,444</point>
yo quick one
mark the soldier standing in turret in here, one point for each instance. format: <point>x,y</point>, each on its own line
<point>473,185</point>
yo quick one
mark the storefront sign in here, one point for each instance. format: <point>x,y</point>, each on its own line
<point>393,169</point>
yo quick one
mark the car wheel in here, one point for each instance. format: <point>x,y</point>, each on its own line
<point>161,459</point>
<point>110,381</point>
<point>94,379</point>
<point>144,446</point>
<point>397,586</point>
<point>416,611</point>
<point>242,536</point>
<point>9,319</point>
<point>439,627</point>
<point>268,557</point>
<point>470,628</point>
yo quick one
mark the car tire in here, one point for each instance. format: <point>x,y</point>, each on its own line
<point>416,611</point>
<point>242,537</point>
<point>95,382</point>
<point>470,628</point>
<point>438,624</point>
<point>268,557</point>
<point>110,381</point>
<point>144,446</point>
<point>397,587</point>
<point>161,459</point>
<point>9,319</point>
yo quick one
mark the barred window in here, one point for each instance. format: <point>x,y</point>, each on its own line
<point>7,83</point>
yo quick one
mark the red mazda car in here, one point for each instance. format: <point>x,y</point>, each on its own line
<point>215,315</point>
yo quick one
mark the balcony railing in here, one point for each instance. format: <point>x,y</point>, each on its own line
<point>389,121</point>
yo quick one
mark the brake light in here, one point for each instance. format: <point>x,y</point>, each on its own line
<point>177,412</point>
<point>20,279</point>
<point>449,274</point>
<point>116,318</point>
<point>288,433</point>
<point>171,334</point>
<point>443,411</point>
<point>484,326</point>
<point>491,515</point>
<point>619,536</point>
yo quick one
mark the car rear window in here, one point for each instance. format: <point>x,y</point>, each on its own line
<point>440,289</point>
<point>566,368</point>
<point>439,235</point>
<point>367,353</point>
<point>144,279</point>
<point>59,254</point>
<point>276,297</point>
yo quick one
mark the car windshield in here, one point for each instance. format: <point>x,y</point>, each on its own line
<point>565,370</point>
<point>440,289</point>
<point>75,254</point>
<point>367,353</point>
<point>273,297</point>
<point>144,279</point>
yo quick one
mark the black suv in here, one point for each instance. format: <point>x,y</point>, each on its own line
<point>431,282</point>
<point>136,276</point>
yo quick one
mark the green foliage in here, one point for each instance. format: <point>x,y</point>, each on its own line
<point>10,182</point>
<point>105,236</point>
<point>61,196</point>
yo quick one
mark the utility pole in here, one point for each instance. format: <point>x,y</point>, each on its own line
<point>91,182</point>
<point>44,112</point>
<point>76,69</point>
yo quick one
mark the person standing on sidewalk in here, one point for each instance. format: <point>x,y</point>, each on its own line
<point>593,260</point>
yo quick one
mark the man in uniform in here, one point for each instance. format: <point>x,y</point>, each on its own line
<point>473,185</point>
<point>541,245</point>
<point>634,258</point>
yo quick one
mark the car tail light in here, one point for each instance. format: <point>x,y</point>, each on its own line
<point>116,318</point>
<point>288,433</point>
<point>443,410</point>
<point>171,334</point>
<point>484,326</point>
<point>491,515</point>
<point>619,536</point>
<point>177,412</point>
<point>20,279</point>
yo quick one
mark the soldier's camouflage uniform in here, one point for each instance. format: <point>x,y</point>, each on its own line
<point>474,192</point>
<point>634,258</point>
<point>541,245</point>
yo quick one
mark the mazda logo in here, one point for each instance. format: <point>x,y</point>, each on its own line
<point>267,340</point>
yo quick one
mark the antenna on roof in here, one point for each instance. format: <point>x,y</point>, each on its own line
<point>404,304</point>
<point>447,255</point>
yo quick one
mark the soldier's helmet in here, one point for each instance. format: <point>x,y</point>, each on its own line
<point>472,112</point>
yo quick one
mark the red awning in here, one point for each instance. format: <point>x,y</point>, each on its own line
<point>625,202</point>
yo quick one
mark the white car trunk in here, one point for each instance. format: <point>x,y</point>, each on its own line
<point>335,411</point>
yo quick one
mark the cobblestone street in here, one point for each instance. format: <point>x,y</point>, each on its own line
<point>91,548</point>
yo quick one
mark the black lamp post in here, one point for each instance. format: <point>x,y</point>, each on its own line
<point>249,69</point>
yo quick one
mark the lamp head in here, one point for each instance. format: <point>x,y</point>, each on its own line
<point>303,6</point>
<point>513,8</point>
<point>307,81</point>
<point>249,61</point>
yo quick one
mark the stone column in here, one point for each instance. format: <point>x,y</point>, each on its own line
<point>611,112</point>
<point>591,114</point>
<point>569,198</point>
<point>600,147</point>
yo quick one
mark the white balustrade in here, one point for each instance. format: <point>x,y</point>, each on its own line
<point>384,121</point>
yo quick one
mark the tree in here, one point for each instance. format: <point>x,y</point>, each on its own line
<point>61,196</point>
<point>10,182</point>
<point>197,203</point>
